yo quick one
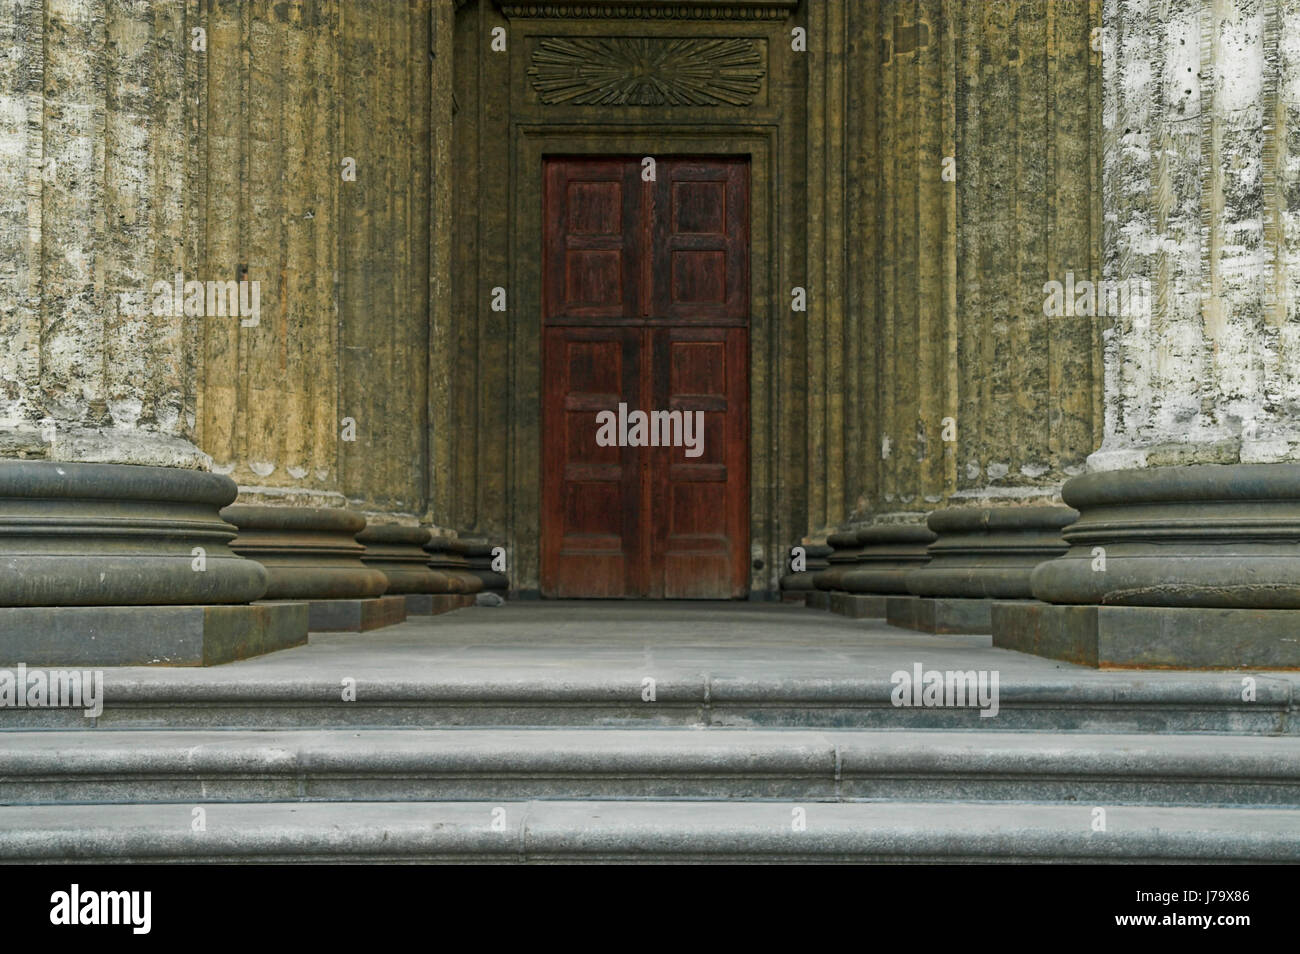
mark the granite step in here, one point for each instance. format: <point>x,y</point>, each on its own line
<point>203,766</point>
<point>242,697</point>
<point>645,831</point>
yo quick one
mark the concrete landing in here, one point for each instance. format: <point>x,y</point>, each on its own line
<point>629,664</point>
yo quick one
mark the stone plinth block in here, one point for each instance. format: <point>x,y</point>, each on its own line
<point>147,635</point>
<point>478,557</point>
<point>875,559</point>
<point>355,616</point>
<point>989,552</point>
<point>817,599</point>
<point>398,553</point>
<point>1223,536</point>
<point>448,557</point>
<point>1151,637</point>
<point>859,605</point>
<point>431,604</point>
<point>118,534</point>
<point>310,553</point>
<point>940,614</point>
<point>816,558</point>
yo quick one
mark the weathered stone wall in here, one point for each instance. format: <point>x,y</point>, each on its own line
<point>1201,173</point>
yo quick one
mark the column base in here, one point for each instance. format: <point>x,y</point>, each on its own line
<point>1151,637</point>
<point>309,553</point>
<point>818,599</point>
<point>397,552</point>
<point>1210,535</point>
<point>118,535</point>
<point>355,616</point>
<point>858,605</point>
<point>989,552</point>
<point>815,555</point>
<point>431,604</point>
<point>875,560</point>
<point>147,635</point>
<point>448,558</point>
<point>478,555</point>
<point>941,614</point>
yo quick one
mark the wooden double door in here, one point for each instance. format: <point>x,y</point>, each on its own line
<point>645,309</point>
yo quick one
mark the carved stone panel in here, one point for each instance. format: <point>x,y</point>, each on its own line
<point>648,71</point>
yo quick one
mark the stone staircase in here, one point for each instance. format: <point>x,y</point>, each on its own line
<point>244,763</point>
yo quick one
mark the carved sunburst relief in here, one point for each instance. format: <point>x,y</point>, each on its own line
<point>647,71</point>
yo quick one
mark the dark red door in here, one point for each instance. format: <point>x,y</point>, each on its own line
<point>646,305</point>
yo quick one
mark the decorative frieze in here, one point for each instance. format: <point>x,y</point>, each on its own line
<point>647,71</point>
<point>664,10</point>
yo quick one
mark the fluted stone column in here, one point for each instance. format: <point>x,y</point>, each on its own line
<point>1187,549</point>
<point>982,132</point>
<point>112,550</point>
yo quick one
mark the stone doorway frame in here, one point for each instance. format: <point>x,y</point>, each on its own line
<point>485,373</point>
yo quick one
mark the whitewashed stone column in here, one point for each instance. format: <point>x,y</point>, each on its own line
<point>1202,163</point>
<point>92,135</point>
<point>1189,536</point>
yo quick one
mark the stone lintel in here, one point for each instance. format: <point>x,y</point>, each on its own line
<point>1151,637</point>
<point>147,635</point>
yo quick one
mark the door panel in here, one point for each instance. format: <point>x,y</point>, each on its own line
<point>591,538</point>
<point>593,241</point>
<point>701,507</point>
<point>645,303</point>
<point>700,271</point>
